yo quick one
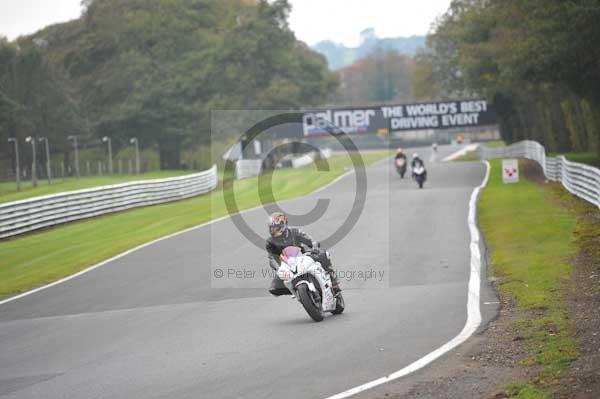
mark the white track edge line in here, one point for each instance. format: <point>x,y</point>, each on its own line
<point>461,152</point>
<point>123,254</point>
<point>473,310</point>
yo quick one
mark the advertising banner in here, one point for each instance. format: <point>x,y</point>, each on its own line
<point>395,118</point>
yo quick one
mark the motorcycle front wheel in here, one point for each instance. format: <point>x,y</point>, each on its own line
<point>310,304</point>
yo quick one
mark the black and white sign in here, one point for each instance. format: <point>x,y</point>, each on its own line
<point>394,118</point>
<point>439,115</point>
<point>435,115</point>
<point>351,121</point>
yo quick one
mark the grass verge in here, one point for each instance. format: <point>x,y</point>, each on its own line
<point>8,191</point>
<point>43,257</point>
<point>469,156</point>
<point>495,144</point>
<point>472,155</point>
<point>531,238</point>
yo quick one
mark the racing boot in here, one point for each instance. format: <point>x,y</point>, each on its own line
<point>325,260</point>
<point>335,284</point>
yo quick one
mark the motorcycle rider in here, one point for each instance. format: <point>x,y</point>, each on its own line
<point>282,236</point>
<point>417,161</point>
<point>400,154</point>
<point>401,169</point>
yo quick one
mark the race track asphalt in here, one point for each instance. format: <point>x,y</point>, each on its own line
<point>157,323</point>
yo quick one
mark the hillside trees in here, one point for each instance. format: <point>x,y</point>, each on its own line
<point>154,69</point>
<point>34,99</point>
<point>382,76</point>
<point>536,60</point>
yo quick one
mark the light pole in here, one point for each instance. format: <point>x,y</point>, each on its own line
<point>31,140</point>
<point>48,170</point>
<point>134,141</point>
<point>74,139</point>
<point>106,139</point>
<point>17,168</point>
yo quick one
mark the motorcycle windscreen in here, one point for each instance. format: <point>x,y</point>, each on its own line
<point>290,254</point>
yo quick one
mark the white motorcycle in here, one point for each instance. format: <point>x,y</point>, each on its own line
<point>419,174</point>
<point>309,283</point>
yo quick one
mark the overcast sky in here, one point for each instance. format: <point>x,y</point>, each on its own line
<point>343,20</point>
<point>312,20</point>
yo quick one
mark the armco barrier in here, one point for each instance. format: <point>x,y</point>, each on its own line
<point>581,180</point>
<point>40,212</point>
<point>310,157</point>
<point>245,168</point>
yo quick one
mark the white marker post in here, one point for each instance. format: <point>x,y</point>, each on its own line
<point>510,171</point>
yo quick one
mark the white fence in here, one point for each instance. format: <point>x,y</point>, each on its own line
<point>40,212</point>
<point>245,168</point>
<point>309,158</point>
<point>581,180</point>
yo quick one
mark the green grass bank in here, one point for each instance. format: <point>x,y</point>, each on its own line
<point>531,239</point>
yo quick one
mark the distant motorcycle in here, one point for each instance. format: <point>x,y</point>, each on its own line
<point>306,279</point>
<point>401,166</point>
<point>420,174</point>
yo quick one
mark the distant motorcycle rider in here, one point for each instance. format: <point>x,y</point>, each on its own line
<point>417,161</point>
<point>282,236</point>
<point>400,154</point>
<point>400,162</point>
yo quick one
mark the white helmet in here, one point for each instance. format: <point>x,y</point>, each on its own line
<point>415,155</point>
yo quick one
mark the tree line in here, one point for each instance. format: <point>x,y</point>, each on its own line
<point>382,76</point>
<point>538,61</point>
<point>154,69</point>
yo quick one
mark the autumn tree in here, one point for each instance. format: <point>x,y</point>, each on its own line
<point>536,60</point>
<point>383,76</point>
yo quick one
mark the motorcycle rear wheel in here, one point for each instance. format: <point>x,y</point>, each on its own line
<point>308,302</point>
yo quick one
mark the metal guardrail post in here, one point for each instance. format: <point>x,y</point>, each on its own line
<point>17,167</point>
<point>48,170</point>
<point>107,139</point>
<point>76,148</point>
<point>31,140</point>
